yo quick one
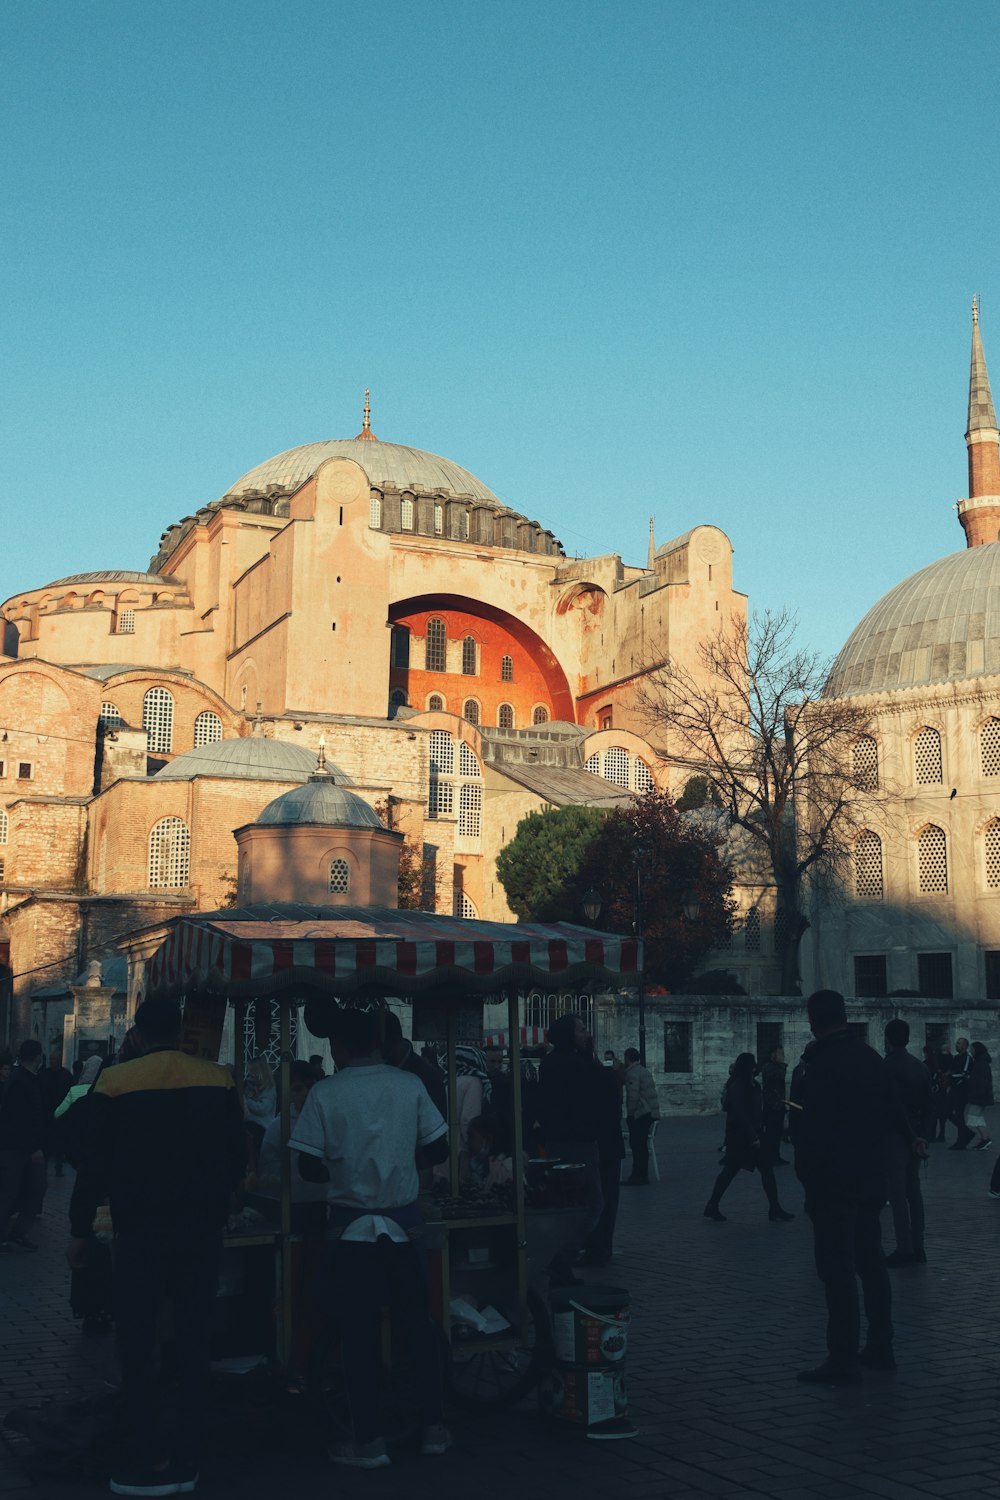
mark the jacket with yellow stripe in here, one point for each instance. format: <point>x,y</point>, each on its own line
<point>164,1143</point>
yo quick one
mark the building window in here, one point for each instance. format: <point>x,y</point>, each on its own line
<point>593,765</point>
<point>470,711</point>
<point>25,770</point>
<point>439,520</point>
<point>643,778</point>
<point>441,798</point>
<point>400,644</point>
<point>751,930</point>
<point>505,716</point>
<point>435,703</point>
<point>927,763</point>
<point>245,879</point>
<point>340,877</point>
<point>506,669</point>
<point>934,976</point>
<point>989,747</point>
<point>932,860</point>
<point>469,655</point>
<point>4,827</point>
<point>992,975</point>
<point>406,513</point>
<point>677,1047</point>
<point>780,930</point>
<point>442,753</point>
<point>606,719</point>
<point>158,720</point>
<point>375,511</point>
<point>207,728</point>
<point>864,758</point>
<point>470,808</point>
<point>991,844</point>
<point>868,866</point>
<point>540,715</point>
<point>125,622</point>
<point>462,906</point>
<point>109,716</point>
<point>169,855</point>
<point>870,975</point>
<point>1,872</point>
<point>437,646</point>
<point>468,765</point>
<point>770,1036</point>
<point>397,700</point>
<point>617,766</point>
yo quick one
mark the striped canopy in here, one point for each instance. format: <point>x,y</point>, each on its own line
<point>297,951</point>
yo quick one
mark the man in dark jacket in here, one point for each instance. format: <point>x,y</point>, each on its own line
<point>958,1070</point>
<point>166,1145</point>
<point>22,1160</point>
<point>841,1131</point>
<point>914,1105</point>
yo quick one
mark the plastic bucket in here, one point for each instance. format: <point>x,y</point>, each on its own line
<point>584,1397</point>
<point>590,1325</point>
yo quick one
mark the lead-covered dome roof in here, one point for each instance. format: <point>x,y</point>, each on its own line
<point>939,625</point>
<point>252,759</point>
<point>384,463</point>
<point>321,801</point>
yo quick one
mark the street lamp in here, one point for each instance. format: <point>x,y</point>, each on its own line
<point>691,905</point>
<point>592,905</point>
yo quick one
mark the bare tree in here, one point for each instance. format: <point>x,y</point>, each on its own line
<point>751,718</point>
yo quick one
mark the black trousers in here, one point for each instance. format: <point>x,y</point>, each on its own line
<point>601,1238</point>
<point>847,1239</point>
<point>166,1262</point>
<point>905,1197</point>
<point>956,1115</point>
<point>638,1140</point>
<point>729,1174</point>
<point>362,1279</point>
<point>774,1124</point>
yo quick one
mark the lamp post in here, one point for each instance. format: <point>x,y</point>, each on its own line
<point>637,854</point>
<point>592,906</point>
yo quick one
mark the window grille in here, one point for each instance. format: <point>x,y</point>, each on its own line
<point>169,855</point>
<point>932,859</point>
<point>441,798</point>
<point>751,931</point>
<point>126,622</point>
<point>437,646</point>
<point>934,978</point>
<point>435,703</point>
<point>4,828</point>
<point>466,524</point>
<point>593,765</point>
<point>868,866</point>
<point>643,778</point>
<point>677,1048</point>
<point>375,511</point>
<point>469,656</point>
<point>870,975</point>
<point>540,715</point>
<point>780,930</point>
<point>207,729</point>
<point>245,879</point>
<point>505,717</point>
<point>506,669</point>
<point>470,808</point>
<point>989,747</point>
<point>340,877</point>
<point>927,765</point>
<point>470,711</point>
<point>406,513</point>
<point>617,764</point>
<point>158,720</point>
<point>439,520</point>
<point>468,765</point>
<point>109,716</point>
<point>864,754</point>
<point>462,906</point>
<point>1,871</point>
<point>442,752</point>
<point>725,943</point>
<point>991,840</point>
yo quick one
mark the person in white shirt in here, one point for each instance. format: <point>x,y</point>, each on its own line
<point>368,1131</point>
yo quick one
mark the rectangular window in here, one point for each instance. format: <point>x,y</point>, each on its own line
<point>677,1047</point>
<point>1,872</point>
<point>400,647</point>
<point>25,770</point>
<point>441,798</point>
<point>992,973</point>
<point>935,1032</point>
<point>770,1035</point>
<point>858,1029</point>
<point>870,978</point>
<point>934,976</point>
<point>3,769</point>
<point>126,622</point>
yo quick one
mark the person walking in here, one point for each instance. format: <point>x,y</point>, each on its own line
<point>166,1146</point>
<point>938,1061</point>
<point>840,1132</point>
<point>642,1108</point>
<point>22,1156</point>
<point>570,1094</point>
<point>911,1090</point>
<point>743,1150</point>
<point>979,1096</point>
<point>772,1080</point>
<point>958,1078</point>
<point>611,1153</point>
<point>56,1082</point>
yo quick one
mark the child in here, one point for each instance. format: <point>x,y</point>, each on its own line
<point>482,1165</point>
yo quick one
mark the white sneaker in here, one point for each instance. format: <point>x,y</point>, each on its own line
<point>435,1440</point>
<point>371,1455</point>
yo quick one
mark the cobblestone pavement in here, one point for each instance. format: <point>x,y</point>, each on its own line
<point>723,1317</point>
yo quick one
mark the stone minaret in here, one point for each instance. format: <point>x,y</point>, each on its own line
<point>980,514</point>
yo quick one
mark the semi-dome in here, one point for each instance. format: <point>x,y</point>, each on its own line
<point>939,625</point>
<point>321,801</point>
<point>252,759</point>
<point>384,463</point>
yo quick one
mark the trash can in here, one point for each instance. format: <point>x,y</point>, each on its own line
<point>587,1387</point>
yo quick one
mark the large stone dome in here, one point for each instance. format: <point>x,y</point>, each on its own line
<point>384,463</point>
<point>939,625</point>
<point>321,801</point>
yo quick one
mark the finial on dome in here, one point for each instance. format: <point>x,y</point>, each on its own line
<point>366,434</point>
<point>321,758</point>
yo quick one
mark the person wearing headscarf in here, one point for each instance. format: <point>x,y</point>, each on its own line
<point>743,1144</point>
<point>473,1088</point>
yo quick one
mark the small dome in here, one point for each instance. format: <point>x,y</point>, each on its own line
<point>384,463</point>
<point>253,759</point>
<point>322,800</point>
<point>939,625</point>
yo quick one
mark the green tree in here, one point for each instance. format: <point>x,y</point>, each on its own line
<point>539,868</point>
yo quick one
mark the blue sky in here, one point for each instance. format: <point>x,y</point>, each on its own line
<point>711,261</point>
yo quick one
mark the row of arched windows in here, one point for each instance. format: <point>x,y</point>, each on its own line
<point>621,768</point>
<point>455,784</point>
<point>932,861</point>
<point>158,722</point>
<point>928,756</point>
<point>436,653</point>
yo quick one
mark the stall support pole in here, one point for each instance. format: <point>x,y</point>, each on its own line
<point>284,1339</point>
<point>454,1134</point>
<point>514,1031</point>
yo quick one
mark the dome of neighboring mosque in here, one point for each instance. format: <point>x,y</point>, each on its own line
<point>939,625</point>
<point>252,759</point>
<point>384,463</point>
<point>324,801</point>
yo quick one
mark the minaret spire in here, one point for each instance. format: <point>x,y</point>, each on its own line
<point>366,435</point>
<point>651,550</point>
<point>980,514</point>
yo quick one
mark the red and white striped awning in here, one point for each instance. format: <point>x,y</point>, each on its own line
<point>342,951</point>
<point>531,1036</point>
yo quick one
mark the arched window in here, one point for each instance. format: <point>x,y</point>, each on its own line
<point>927,764</point>
<point>864,756</point>
<point>505,716</point>
<point>158,720</point>
<point>207,728</point>
<point>643,778</point>
<point>375,510</point>
<point>540,715</point>
<point>989,747</point>
<point>245,878</point>
<point>470,807</point>
<point>442,753</point>
<point>435,703</point>
<point>868,866</point>
<point>439,520</point>
<point>4,827</point>
<point>468,765</point>
<point>340,877</point>
<point>593,765</point>
<point>397,699</point>
<point>109,716</point>
<point>462,906</point>
<point>406,513</point>
<point>437,646</point>
<point>169,855</point>
<point>932,859</point>
<point>470,711</point>
<point>780,930</point>
<point>469,655</point>
<point>506,669</point>
<point>991,842</point>
<point>751,930</point>
<point>617,765</point>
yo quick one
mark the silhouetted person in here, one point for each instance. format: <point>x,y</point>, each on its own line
<point>979,1096</point>
<point>743,1145</point>
<point>958,1072</point>
<point>399,1053</point>
<point>22,1160</point>
<point>772,1081</point>
<point>642,1110</point>
<point>911,1089</point>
